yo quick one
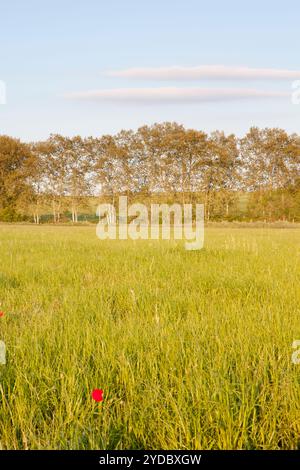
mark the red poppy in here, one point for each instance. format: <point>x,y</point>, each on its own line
<point>97,394</point>
<point>1,314</point>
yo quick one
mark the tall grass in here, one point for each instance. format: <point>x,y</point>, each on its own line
<point>192,349</point>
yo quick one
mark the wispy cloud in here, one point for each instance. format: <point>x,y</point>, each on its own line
<point>173,95</point>
<point>205,72</point>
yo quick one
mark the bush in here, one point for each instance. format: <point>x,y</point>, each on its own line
<point>9,214</point>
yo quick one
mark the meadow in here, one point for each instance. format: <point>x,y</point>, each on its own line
<point>192,349</point>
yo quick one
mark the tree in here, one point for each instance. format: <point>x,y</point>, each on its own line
<point>111,165</point>
<point>220,174</point>
<point>54,163</point>
<point>77,160</point>
<point>16,163</point>
<point>271,163</point>
<point>32,200</point>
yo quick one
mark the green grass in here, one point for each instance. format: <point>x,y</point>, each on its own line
<point>192,349</point>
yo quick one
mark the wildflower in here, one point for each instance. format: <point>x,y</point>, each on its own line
<point>97,395</point>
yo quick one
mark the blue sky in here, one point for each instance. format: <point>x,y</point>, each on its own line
<point>53,52</point>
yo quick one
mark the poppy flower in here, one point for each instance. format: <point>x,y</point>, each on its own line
<point>1,314</point>
<point>97,395</point>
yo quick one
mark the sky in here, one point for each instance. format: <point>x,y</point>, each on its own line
<point>95,67</point>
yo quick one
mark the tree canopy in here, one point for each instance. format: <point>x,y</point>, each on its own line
<point>254,177</point>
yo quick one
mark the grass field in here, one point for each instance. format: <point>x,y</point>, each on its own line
<point>192,349</point>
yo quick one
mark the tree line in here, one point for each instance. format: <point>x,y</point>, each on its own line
<point>256,177</point>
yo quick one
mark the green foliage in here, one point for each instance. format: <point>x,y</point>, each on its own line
<point>16,162</point>
<point>62,175</point>
<point>9,214</point>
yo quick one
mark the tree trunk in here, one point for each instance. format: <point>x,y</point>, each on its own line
<point>54,212</point>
